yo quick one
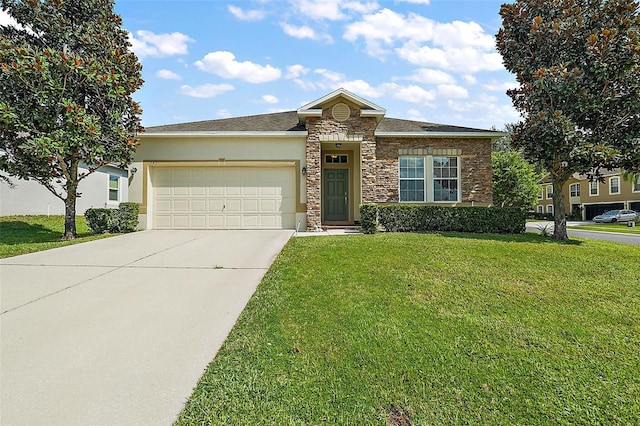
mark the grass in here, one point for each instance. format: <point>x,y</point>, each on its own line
<point>609,227</point>
<point>433,329</point>
<point>28,234</point>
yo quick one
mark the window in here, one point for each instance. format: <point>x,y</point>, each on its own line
<point>574,190</point>
<point>550,208</point>
<point>593,187</point>
<point>114,187</point>
<point>412,179</point>
<point>433,179</point>
<point>540,209</point>
<point>636,186</point>
<point>541,194</point>
<point>445,179</point>
<point>336,159</point>
<point>614,185</point>
<point>549,192</point>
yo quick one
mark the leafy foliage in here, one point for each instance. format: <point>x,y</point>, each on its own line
<point>515,181</point>
<point>66,79</point>
<point>578,66</point>
<point>368,218</point>
<point>122,219</point>
<point>423,218</point>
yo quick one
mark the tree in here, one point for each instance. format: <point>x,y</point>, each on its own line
<point>515,181</point>
<point>66,79</point>
<point>578,66</point>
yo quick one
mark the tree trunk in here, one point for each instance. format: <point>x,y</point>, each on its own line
<point>70,203</point>
<point>559,212</point>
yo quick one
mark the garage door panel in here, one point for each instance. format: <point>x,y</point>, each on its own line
<point>223,197</point>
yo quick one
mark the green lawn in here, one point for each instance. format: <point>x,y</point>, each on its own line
<point>27,234</point>
<point>454,329</point>
<point>609,227</point>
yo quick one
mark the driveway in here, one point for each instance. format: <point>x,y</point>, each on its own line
<point>118,331</point>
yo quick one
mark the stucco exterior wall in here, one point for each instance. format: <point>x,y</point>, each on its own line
<point>31,198</point>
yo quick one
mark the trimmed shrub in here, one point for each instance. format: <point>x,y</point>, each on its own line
<point>368,218</point>
<point>128,216</point>
<point>122,219</point>
<point>421,218</point>
<point>101,220</point>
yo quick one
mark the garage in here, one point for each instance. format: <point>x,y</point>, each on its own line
<point>223,197</point>
<point>592,210</point>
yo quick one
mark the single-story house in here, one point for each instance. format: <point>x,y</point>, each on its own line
<point>106,187</point>
<point>304,169</point>
<point>586,199</point>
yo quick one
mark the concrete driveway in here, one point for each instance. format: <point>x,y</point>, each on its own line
<point>118,331</point>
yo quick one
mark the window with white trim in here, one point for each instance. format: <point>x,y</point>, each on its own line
<point>114,188</point>
<point>574,190</point>
<point>541,194</point>
<point>445,179</point>
<point>429,179</point>
<point>540,209</point>
<point>412,179</point>
<point>549,192</point>
<point>636,185</point>
<point>550,208</point>
<point>614,185</point>
<point>593,188</point>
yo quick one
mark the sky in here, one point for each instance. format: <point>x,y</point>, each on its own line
<point>425,60</point>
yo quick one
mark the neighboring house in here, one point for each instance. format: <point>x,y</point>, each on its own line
<point>106,187</point>
<point>304,169</point>
<point>588,199</point>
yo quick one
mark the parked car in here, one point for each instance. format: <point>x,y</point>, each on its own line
<point>616,216</point>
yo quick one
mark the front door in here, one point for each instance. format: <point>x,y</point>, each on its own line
<point>336,195</point>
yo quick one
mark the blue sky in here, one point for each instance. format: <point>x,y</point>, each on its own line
<point>427,60</point>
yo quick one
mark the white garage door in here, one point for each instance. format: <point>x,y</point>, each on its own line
<point>223,197</point>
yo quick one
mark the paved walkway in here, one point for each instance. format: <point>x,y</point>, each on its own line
<point>118,331</point>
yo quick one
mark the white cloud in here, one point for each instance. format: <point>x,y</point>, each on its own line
<point>457,45</point>
<point>304,31</point>
<point>414,114</point>
<point>469,79</point>
<point>320,9</point>
<point>418,1</point>
<point>250,15</point>
<point>494,86</point>
<point>148,43</point>
<point>206,90</point>
<point>452,91</point>
<point>168,75</point>
<point>467,59</point>
<point>295,71</point>
<point>329,75</point>
<point>431,76</point>
<point>224,64</point>
<point>223,113</point>
<point>270,99</point>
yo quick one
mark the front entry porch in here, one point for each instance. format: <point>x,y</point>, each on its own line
<point>341,188</point>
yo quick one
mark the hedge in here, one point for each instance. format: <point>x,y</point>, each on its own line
<point>122,219</point>
<point>422,218</point>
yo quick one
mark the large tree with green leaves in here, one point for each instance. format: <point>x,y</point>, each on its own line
<point>578,66</point>
<point>66,79</point>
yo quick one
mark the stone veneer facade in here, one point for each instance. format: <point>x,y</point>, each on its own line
<point>380,175</point>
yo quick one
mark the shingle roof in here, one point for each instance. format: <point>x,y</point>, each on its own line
<point>288,122</point>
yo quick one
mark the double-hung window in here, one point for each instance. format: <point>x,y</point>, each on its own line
<point>593,187</point>
<point>114,188</point>
<point>574,190</point>
<point>636,185</point>
<point>429,179</point>
<point>549,192</point>
<point>614,185</point>
<point>412,182</point>
<point>445,179</point>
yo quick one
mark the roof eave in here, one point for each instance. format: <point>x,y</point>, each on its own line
<point>228,134</point>
<point>492,135</point>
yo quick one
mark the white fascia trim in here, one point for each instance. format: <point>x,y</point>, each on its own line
<point>227,134</point>
<point>310,113</point>
<point>492,135</point>
<point>341,91</point>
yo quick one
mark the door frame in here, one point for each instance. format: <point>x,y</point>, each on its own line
<point>349,192</point>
